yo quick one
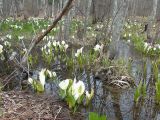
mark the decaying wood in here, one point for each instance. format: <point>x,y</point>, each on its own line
<point>40,37</point>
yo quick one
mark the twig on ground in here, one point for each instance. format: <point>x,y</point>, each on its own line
<point>60,108</point>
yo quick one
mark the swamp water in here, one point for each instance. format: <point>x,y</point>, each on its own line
<point>117,104</point>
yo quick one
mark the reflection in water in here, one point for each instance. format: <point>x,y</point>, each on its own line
<point>116,106</point>
<point>120,105</point>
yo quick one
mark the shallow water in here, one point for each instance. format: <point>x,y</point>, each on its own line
<point>120,105</point>
<point>117,105</point>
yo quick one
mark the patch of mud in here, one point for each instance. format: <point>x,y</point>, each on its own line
<point>27,106</point>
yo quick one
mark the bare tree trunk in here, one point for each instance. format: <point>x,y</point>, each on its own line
<point>119,14</point>
<point>94,12</point>
<point>157,35</point>
<point>6,8</point>
<point>67,23</point>
<point>87,13</point>
<point>1,7</point>
<point>35,8</point>
<point>151,19</point>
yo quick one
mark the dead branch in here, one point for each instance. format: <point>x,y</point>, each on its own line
<point>40,37</point>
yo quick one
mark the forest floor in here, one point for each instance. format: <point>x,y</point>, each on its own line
<point>22,105</point>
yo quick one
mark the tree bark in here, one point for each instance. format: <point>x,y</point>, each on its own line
<point>151,19</point>
<point>120,10</point>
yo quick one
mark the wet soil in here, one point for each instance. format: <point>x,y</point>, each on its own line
<point>21,105</point>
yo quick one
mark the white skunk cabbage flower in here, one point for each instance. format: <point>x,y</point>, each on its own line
<point>54,43</point>
<point>66,46</point>
<point>49,73</point>
<point>154,48</point>
<point>43,30</point>
<point>149,47</point>
<point>89,96</point>
<point>1,49</point>
<point>6,43</point>
<point>63,43</point>
<point>128,41</point>
<point>42,49</point>
<point>42,77</point>
<point>30,80</point>
<point>49,44</point>
<point>145,45</point>
<point>79,51</point>
<point>78,89</point>
<point>9,36</point>
<point>20,37</point>
<point>64,84</point>
<point>98,47</point>
<point>58,43</point>
<point>54,74</point>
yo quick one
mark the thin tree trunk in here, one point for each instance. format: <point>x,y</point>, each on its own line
<point>119,15</point>
<point>151,19</point>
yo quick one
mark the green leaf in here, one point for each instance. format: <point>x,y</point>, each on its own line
<point>62,93</point>
<point>95,116</point>
<point>71,101</point>
<point>137,94</point>
<point>38,86</point>
<point>103,117</point>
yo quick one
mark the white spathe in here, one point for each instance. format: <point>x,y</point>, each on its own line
<point>54,43</point>
<point>145,45</point>
<point>49,44</point>
<point>98,47</point>
<point>64,84</point>
<point>89,95</point>
<point>79,51</point>
<point>78,89</point>
<point>30,80</point>
<point>54,74</point>
<point>42,77</point>
<point>63,42</point>
<point>1,49</point>
<point>66,46</point>
<point>49,72</point>
<point>20,37</point>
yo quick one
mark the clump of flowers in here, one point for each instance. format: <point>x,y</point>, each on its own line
<point>54,50</point>
<point>74,92</point>
<point>80,58</point>
<point>5,49</point>
<point>39,85</point>
<point>98,50</point>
